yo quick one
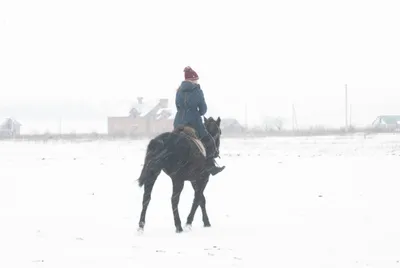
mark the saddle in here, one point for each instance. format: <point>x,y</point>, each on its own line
<point>186,130</point>
<point>190,133</point>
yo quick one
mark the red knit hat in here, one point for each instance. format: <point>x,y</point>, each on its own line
<point>190,74</point>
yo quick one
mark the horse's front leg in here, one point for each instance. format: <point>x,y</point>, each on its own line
<point>199,199</point>
<point>176,193</point>
<point>202,202</point>
<point>195,204</point>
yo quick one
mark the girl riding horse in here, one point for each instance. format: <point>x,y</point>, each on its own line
<point>191,106</point>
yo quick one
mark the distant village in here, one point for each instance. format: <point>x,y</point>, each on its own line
<point>147,118</point>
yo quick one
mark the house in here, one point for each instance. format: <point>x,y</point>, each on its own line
<point>145,118</point>
<point>231,126</point>
<point>389,122</point>
<point>10,128</point>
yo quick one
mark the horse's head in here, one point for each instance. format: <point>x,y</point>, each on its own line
<point>213,127</point>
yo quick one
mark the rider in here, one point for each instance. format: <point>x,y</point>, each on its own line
<point>191,106</point>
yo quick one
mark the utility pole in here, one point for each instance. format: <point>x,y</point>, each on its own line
<point>294,119</point>
<point>350,115</point>
<point>346,119</point>
<point>60,126</point>
<point>245,115</point>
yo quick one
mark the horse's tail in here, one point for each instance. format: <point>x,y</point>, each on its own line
<point>153,163</point>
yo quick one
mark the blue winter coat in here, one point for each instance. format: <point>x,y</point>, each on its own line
<point>191,106</point>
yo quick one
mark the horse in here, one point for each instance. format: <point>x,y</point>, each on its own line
<point>182,156</point>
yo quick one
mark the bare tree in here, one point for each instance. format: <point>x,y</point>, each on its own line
<point>273,123</point>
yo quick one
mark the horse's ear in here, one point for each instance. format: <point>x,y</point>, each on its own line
<point>205,119</point>
<point>218,120</point>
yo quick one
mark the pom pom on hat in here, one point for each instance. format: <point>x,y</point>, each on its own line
<point>190,74</point>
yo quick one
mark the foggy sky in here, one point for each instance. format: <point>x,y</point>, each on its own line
<point>268,54</point>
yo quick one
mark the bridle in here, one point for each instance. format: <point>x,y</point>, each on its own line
<point>216,136</point>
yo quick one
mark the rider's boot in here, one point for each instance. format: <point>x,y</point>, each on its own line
<point>211,151</point>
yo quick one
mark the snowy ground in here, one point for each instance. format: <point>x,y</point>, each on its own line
<point>281,202</point>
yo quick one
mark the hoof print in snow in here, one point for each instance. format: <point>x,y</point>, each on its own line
<point>213,248</point>
<point>39,234</point>
<point>210,254</point>
<point>43,158</point>
<point>320,195</point>
<point>79,238</point>
<point>237,258</point>
<point>160,251</point>
<point>38,261</point>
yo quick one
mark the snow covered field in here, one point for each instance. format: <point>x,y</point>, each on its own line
<point>281,202</point>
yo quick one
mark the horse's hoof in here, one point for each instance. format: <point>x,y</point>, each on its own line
<point>179,230</point>
<point>207,225</point>
<point>188,227</point>
<point>140,230</point>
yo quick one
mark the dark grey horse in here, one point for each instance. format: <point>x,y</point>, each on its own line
<point>183,158</point>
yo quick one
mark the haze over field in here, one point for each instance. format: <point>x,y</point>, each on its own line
<point>78,59</point>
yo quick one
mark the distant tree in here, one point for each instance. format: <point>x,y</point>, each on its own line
<point>273,123</point>
<point>279,123</point>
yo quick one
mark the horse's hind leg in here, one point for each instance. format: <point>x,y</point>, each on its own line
<point>176,193</point>
<point>148,188</point>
